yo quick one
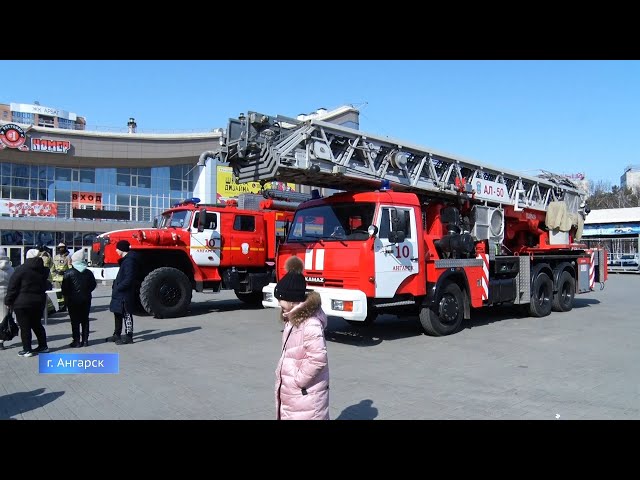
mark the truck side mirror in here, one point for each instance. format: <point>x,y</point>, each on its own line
<point>155,222</point>
<point>202,218</point>
<point>396,236</point>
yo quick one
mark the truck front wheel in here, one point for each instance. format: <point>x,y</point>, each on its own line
<point>166,293</point>
<point>253,298</point>
<point>445,317</point>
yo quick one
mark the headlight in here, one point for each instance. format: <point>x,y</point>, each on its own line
<point>342,305</point>
<point>267,296</point>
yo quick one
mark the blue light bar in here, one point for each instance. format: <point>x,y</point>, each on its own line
<point>385,186</point>
<point>187,201</point>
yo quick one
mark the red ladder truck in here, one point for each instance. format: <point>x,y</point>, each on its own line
<point>416,230</point>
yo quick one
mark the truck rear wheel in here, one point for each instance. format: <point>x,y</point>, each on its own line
<point>563,299</point>
<point>253,298</point>
<point>166,292</point>
<point>541,296</point>
<point>445,317</point>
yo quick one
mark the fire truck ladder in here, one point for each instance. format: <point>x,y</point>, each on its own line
<point>263,148</point>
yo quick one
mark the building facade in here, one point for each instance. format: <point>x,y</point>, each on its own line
<point>631,178</point>
<point>40,116</point>
<point>616,229</point>
<point>69,185</point>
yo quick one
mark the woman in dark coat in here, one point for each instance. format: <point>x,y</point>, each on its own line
<point>26,295</point>
<point>123,294</point>
<point>77,285</point>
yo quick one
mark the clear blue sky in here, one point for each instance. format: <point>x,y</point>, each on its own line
<point>561,116</point>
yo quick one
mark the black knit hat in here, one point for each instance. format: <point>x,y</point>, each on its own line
<point>292,287</point>
<point>123,245</point>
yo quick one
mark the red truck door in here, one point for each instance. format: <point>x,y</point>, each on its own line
<point>246,245</point>
<point>395,262</point>
<point>205,246</point>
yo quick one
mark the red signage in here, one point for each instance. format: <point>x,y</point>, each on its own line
<point>13,136</point>
<point>29,209</point>
<point>86,199</point>
<point>50,146</point>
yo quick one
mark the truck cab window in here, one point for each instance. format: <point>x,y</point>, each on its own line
<point>404,222</point>
<point>244,223</point>
<point>210,221</point>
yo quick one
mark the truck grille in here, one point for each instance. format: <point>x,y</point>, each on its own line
<point>328,282</point>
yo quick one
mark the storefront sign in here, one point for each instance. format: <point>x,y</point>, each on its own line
<point>50,146</point>
<point>85,200</point>
<point>616,229</point>
<point>26,208</point>
<point>13,136</point>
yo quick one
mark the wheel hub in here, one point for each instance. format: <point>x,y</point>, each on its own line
<point>448,309</point>
<point>169,295</point>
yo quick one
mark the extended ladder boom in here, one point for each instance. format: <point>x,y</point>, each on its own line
<point>263,148</point>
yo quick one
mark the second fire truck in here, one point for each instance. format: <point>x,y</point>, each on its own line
<point>201,247</point>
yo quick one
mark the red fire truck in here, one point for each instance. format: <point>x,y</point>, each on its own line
<point>416,230</point>
<point>201,247</point>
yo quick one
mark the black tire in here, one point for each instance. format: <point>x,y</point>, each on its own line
<point>166,293</point>
<point>563,298</point>
<point>138,308</point>
<point>445,317</point>
<point>253,298</point>
<point>372,314</point>
<point>541,296</point>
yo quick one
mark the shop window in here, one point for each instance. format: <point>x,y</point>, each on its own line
<point>62,196</point>
<point>63,174</point>
<point>88,176</point>
<point>144,182</point>
<point>20,193</point>
<point>20,182</point>
<point>20,171</point>
<point>122,200</point>
<point>123,180</point>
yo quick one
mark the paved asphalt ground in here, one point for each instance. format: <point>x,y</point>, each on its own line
<point>219,363</point>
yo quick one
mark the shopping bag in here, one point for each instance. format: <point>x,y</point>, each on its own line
<point>8,327</point>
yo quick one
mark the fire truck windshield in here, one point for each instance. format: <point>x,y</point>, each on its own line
<point>178,219</point>
<point>339,222</point>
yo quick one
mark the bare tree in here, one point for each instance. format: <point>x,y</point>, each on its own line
<point>599,187</point>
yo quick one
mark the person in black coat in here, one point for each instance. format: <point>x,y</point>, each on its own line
<point>26,295</point>
<point>123,294</point>
<point>77,285</point>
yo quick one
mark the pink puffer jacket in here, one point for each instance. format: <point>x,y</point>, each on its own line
<point>302,374</point>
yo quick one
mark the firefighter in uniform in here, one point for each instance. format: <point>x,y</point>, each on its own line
<point>61,263</point>
<point>46,259</point>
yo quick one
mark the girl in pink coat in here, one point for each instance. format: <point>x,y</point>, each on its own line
<point>302,374</point>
